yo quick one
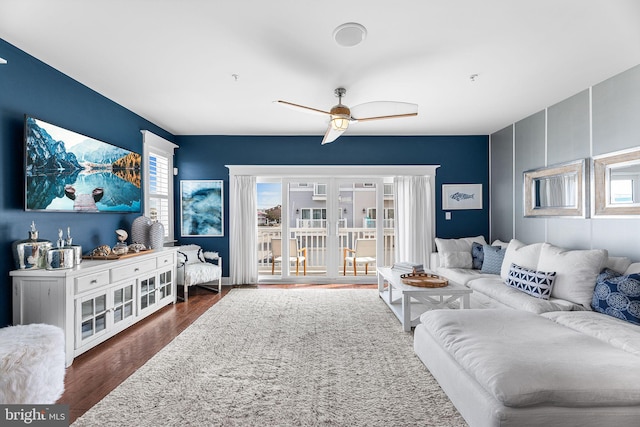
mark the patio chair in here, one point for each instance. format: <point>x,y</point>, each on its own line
<point>364,253</point>
<point>295,255</point>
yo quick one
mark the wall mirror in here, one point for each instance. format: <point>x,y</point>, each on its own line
<point>616,179</point>
<point>558,190</point>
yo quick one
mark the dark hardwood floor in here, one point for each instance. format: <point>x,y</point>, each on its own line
<point>98,371</point>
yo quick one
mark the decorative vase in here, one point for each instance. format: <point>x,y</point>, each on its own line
<point>156,235</point>
<point>140,230</point>
<point>60,258</point>
<point>31,253</point>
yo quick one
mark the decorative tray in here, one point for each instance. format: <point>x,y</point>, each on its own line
<point>114,256</point>
<point>424,280</point>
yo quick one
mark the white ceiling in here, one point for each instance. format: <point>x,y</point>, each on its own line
<point>173,61</point>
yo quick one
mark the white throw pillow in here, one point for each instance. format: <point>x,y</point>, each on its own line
<point>520,254</point>
<point>632,269</point>
<point>500,243</point>
<point>453,252</point>
<point>191,253</point>
<point>618,263</point>
<point>576,272</point>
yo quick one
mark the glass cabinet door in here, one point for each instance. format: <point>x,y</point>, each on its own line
<point>147,292</point>
<point>165,284</point>
<point>93,316</point>
<point>123,303</point>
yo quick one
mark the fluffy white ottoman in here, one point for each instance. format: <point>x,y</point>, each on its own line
<point>31,364</point>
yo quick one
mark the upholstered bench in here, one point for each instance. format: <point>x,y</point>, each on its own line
<point>31,364</point>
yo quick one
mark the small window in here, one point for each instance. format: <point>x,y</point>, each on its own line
<point>158,169</point>
<point>320,190</point>
<point>622,191</point>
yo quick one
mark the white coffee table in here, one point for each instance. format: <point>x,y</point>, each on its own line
<point>409,302</point>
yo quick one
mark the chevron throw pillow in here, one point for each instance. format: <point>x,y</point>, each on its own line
<point>535,283</point>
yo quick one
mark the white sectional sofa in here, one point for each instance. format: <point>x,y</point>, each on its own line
<point>523,360</point>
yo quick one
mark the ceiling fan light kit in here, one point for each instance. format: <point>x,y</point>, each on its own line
<point>350,34</point>
<point>340,123</point>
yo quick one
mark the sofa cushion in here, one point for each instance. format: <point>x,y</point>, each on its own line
<point>576,271</point>
<point>500,243</point>
<point>456,253</point>
<point>497,290</point>
<point>523,359</point>
<point>618,263</point>
<point>533,282</point>
<point>616,332</point>
<point>520,254</point>
<point>477,255</point>
<point>617,295</point>
<point>462,275</point>
<point>493,257</point>
<point>633,268</point>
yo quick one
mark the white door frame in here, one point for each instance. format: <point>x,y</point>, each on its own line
<point>327,171</point>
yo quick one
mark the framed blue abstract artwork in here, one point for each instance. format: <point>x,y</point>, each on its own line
<point>201,208</point>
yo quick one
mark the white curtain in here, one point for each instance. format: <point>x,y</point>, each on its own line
<point>414,219</point>
<point>244,223</point>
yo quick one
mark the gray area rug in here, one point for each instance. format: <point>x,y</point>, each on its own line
<point>279,357</point>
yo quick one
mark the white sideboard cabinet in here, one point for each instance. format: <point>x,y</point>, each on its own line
<point>96,299</point>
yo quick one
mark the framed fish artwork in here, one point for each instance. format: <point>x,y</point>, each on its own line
<point>461,196</point>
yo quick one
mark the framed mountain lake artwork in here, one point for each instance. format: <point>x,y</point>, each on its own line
<point>69,172</point>
<point>201,208</point>
<point>461,196</point>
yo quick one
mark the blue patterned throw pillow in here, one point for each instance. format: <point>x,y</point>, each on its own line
<point>535,283</point>
<point>493,257</point>
<point>477,255</point>
<point>617,295</point>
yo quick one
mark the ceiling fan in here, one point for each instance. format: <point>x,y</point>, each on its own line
<point>341,115</point>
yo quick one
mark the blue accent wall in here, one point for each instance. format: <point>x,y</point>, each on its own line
<point>28,86</point>
<point>463,160</point>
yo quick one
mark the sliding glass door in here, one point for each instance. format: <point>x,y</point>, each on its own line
<point>324,227</point>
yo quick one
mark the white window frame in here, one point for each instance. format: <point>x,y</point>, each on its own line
<point>152,143</point>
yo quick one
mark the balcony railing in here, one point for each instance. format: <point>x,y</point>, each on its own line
<point>315,240</point>
<point>317,223</point>
<point>371,223</point>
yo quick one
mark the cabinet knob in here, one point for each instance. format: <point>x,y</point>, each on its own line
<point>136,269</point>
<point>94,281</point>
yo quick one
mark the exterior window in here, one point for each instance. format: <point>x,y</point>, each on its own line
<point>389,213</point>
<point>312,218</point>
<point>158,170</point>
<point>622,191</point>
<point>320,190</point>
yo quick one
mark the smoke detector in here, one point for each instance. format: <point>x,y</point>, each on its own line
<point>350,34</point>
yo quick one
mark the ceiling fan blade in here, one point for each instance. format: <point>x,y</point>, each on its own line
<point>331,134</point>
<point>378,110</point>
<point>301,107</point>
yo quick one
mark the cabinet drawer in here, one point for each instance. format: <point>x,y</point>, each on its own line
<point>128,271</point>
<point>165,260</point>
<point>90,281</point>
